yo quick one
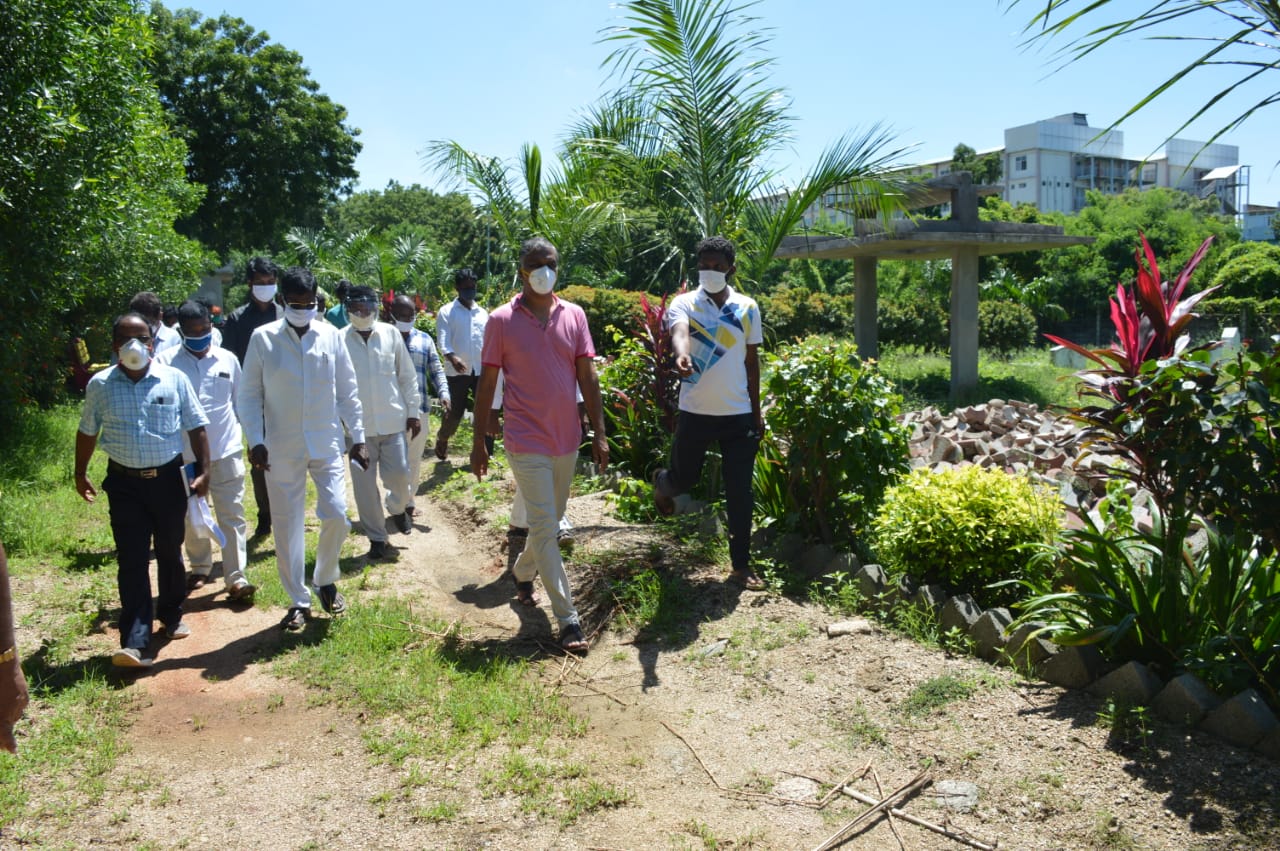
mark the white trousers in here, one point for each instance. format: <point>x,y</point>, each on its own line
<point>226,494</point>
<point>386,456</point>
<point>287,489</point>
<point>416,445</point>
<point>544,481</point>
<point>520,513</point>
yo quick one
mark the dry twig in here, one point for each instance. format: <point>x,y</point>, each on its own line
<point>875,775</point>
<point>911,786</point>
<point>961,837</point>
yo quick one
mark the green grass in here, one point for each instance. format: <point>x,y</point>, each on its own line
<point>68,752</point>
<point>932,695</point>
<point>1029,376</point>
<point>432,701</point>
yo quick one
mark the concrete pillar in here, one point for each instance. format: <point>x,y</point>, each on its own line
<point>964,320</point>
<point>865,333</point>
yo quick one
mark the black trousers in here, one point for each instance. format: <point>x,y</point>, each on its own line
<point>462,398</point>
<point>144,511</point>
<point>738,441</point>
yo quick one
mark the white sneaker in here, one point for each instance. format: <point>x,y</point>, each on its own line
<point>130,657</point>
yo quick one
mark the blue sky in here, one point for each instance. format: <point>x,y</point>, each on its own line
<point>493,74</point>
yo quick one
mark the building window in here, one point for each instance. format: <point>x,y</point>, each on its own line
<point>1020,163</point>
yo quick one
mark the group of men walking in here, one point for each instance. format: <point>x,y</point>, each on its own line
<point>304,393</point>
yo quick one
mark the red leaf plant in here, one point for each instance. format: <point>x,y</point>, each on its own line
<point>1150,319</point>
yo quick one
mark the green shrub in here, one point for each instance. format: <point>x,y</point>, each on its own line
<point>793,314</point>
<point>1005,327</point>
<point>966,528</point>
<point>918,322</point>
<point>1250,270</point>
<point>618,308</point>
<point>639,430</point>
<point>1254,317</point>
<point>833,442</point>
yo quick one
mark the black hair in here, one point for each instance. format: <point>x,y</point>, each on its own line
<point>299,280</point>
<point>462,275</point>
<point>340,291</point>
<point>533,244</point>
<point>362,294</point>
<point>192,311</point>
<point>122,318</point>
<point>148,306</point>
<point>717,245</point>
<point>260,266</point>
<point>170,314</point>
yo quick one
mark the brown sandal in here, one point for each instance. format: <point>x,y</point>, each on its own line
<point>661,498</point>
<point>747,580</point>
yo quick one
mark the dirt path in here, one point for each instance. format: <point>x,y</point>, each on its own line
<point>226,755</point>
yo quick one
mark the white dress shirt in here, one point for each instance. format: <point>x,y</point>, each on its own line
<point>296,394</point>
<point>216,378</point>
<point>460,331</point>
<point>386,377</point>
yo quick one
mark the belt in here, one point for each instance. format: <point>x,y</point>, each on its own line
<point>141,472</point>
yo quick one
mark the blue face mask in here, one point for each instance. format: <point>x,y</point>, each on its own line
<point>198,345</point>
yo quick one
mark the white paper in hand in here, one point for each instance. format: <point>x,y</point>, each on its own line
<point>202,520</point>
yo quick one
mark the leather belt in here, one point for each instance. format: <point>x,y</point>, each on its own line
<point>141,472</point>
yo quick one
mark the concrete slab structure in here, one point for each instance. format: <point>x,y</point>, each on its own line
<point>962,239</point>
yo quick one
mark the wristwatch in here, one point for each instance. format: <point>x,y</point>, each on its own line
<point>8,655</point>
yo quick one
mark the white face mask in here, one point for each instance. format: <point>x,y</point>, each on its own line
<point>134,355</point>
<point>711,280</point>
<point>405,327</point>
<point>299,318</point>
<point>264,292</point>
<point>361,323</point>
<point>542,280</point>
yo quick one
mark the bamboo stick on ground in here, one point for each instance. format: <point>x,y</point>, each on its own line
<point>962,838</point>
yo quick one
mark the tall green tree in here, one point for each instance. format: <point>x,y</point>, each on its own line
<point>1241,36</point>
<point>449,220</point>
<point>986,169</point>
<point>271,150</point>
<point>90,184</point>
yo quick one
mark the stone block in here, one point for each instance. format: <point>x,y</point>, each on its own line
<point>959,612</point>
<point>1132,683</point>
<point>814,559</point>
<point>1072,667</point>
<point>1270,745</point>
<point>872,581</point>
<point>1026,652</point>
<point>1185,700</point>
<point>846,563</point>
<point>930,597</point>
<point>1243,720</point>
<point>789,547</point>
<point>988,632</point>
<point>714,525</point>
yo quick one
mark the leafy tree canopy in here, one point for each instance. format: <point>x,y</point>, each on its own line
<point>90,183</point>
<point>448,220</point>
<point>270,149</point>
<point>985,169</point>
<point>1250,270</point>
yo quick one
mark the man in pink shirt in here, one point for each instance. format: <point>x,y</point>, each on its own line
<point>543,347</point>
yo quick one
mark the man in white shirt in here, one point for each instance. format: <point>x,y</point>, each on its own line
<point>298,391</point>
<point>716,336</point>
<point>214,372</point>
<point>427,367</point>
<point>390,403</point>
<point>460,328</point>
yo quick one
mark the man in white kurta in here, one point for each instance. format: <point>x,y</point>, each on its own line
<point>298,391</point>
<point>214,372</point>
<point>390,402</point>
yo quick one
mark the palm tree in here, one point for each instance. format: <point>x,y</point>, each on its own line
<point>696,116</point>
<point>1239,34</point>
<point>587,226</point>
<point>407,263</point>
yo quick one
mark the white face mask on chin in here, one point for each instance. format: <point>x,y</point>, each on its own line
<point>404,327</point>
<point>299,318</point>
